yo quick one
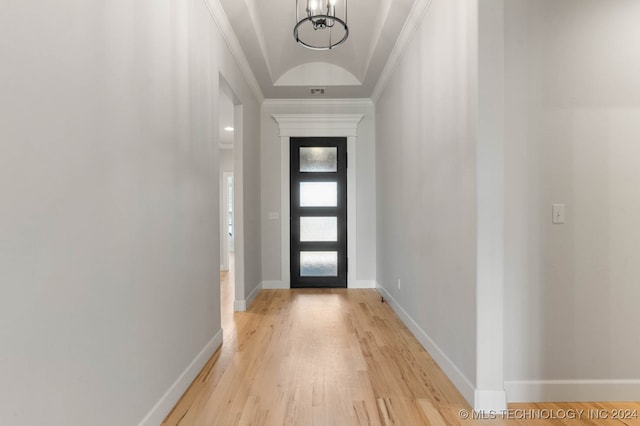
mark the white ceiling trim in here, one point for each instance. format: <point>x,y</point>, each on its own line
<point>257,23</point>
<point>376,38</point>
<point>319,102</point>
<point>292,125</point>
<point>417,14</point>
<point>222,21</point>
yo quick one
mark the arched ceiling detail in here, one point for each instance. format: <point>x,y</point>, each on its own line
<point>318,74</point>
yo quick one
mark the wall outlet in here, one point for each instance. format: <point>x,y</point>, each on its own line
<point>399,284</point>
<point>274,215</point>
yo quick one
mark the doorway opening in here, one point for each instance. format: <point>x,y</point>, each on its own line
<point>227,239</point>
<point>230,138</point>
<point>227,219</point>
<point>226,135</point>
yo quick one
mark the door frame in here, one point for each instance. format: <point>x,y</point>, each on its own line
<point>241,301</point>
<point>317,125</point>
<point>339,212</point>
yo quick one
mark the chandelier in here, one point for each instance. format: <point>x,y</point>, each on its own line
<point>317,28</point>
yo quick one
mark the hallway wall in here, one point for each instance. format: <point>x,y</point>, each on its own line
<point>426,188</point>
<point>572,132</point>
<point>109,283</point>
<point>226,160</point>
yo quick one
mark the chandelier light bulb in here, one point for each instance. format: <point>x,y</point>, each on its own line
<point>331,8</point>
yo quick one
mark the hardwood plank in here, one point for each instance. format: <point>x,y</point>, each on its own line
<point>431,413</point>
<point>332,357</point>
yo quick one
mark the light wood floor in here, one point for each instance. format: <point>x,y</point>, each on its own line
<point>331,357</point>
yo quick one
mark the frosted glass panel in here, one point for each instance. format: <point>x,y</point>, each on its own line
<point>319,159</point>
<point>319,264</point>
<point>318,229</point>
<point>318,194</point>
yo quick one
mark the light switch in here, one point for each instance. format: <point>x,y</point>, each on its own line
<point>274,215</point>
<point>558,213</point>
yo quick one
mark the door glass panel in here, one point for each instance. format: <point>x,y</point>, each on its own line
<point>319,264</point>
<point>318,194</point>
<point>318,228</point>
<point>318,159</point>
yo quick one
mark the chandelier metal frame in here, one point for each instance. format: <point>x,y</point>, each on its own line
<point>321,22</point>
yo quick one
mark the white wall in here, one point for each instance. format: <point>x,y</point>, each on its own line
<point>426,188</point>
<point>365,178</point>
<point>248,217</point>
<point>572,132</point>
<point>226,160</point>
<point>109,225</point>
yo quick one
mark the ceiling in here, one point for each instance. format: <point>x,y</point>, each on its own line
<point>285,69</point>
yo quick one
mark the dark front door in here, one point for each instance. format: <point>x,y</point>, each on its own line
<point>318,212</point>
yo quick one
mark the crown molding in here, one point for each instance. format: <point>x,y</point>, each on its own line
<point>417,14</point>
<point>222,21</point>
<point>361,102</point>
<point>257,23</point>
<point>375,40</point>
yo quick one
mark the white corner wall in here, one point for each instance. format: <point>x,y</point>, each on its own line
<point>247,208</point>
<point>572,132</point>
<point>109,294</point>
<point>426,188</point>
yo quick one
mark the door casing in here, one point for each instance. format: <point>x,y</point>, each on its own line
<point>321,125</point>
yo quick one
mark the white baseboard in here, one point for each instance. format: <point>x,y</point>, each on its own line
<point>461,382</point>
<point>274,285</point>
<point>488,401</point>
<point>572,390</point>
<point>279,285</point>
<point>243,305</point>
<point>363,284</point>
<point>164,406</point>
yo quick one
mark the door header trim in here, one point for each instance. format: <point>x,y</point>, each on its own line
<point>309,125</point>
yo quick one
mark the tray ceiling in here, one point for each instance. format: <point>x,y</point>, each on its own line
<point>285,69</point>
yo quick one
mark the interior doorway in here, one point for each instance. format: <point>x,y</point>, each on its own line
<point>231,230</point>
<point>226,134</point>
